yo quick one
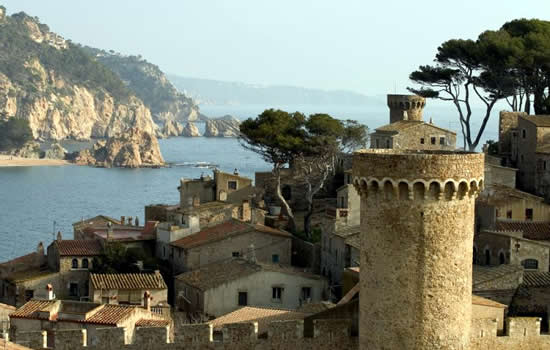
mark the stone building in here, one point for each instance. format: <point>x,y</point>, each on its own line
<point>417,216</point>
<point>130,236</point>
<point>96,221</point>
<point>128,288</point>
<point>502,247</point>
<point>231,239</point>
<point>407,130</point>
<point>223,287</point>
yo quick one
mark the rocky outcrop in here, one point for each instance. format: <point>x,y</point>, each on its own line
<point>29,150</point>
<point>56,151</point>
<point>133,149</point>
<point>191,130</point>
<point>226,126</point>
<point>172,128</point>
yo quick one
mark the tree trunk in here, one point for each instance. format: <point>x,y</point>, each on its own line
<point>288,210</point>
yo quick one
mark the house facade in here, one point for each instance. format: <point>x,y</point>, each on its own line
<point>220,288</point>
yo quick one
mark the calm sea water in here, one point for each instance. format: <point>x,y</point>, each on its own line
<point>37,201</point>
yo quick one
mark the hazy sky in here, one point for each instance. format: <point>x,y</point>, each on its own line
<point>361,45</point>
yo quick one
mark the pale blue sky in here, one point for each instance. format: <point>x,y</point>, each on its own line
<point>361,45</point>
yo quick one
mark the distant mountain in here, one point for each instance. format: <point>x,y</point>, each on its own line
<point>205,91</point>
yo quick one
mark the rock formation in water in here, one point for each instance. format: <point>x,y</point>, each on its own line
<point>59,88</point>
<point>133,149</point>
<point>56,151</point>
<point>226,126</point>
<point>191,130</point>
<point>171,128</point>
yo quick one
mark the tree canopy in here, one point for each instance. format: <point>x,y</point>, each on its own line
<point>14,133</point>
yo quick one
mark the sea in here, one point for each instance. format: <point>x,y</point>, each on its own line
<point>37,202</point>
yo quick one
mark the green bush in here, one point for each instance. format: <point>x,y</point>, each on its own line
<point>14,133</point>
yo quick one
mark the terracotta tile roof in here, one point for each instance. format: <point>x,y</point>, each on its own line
<point>314,308</point>
<point>264,316</point>
<point>482,274</point>
<point>29,309</point>
<point>30,275</point>
<point>477,300</point>
<point>536,279</point>
<point>400,125</point>
<point>538,120</point>
<point>6,345</point>
<point>110,314</point>
<point>535,230</point>
<point>350,294</point>
<point>496,194</point>
<point>127,281</point>
<point>27,259</point>
<point>213,275</point>
<point>78,247</point>
<point>152,323</point>
<point>223,230</point>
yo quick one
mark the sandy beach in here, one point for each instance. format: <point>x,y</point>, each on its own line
<point>9,161</point>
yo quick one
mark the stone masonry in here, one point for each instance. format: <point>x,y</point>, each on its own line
<point>416,261</point>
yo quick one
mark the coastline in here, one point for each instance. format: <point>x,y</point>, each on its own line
<point>12,161</point>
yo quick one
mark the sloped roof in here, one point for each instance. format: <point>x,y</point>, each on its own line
<point>97,220</point>
<point>477,300</point>
<point>213,275</point>
<point>127,281</point>
<point>29,309</point>
<point>497,194</point>
<point>538,120</point>
<point>482,274</point>
<point>348,231</point>
<point>536,279</point>
<point>350,294</point>
<point>110,314</point>
<point>402,125</point>
<point>264,316</point>
<point>314,308</point>
<point>79,247</point>
<point>27,259</point>
<point>534,230</point>
<point>224,230</point>
<point>152,323</point>
<point>7,345</point>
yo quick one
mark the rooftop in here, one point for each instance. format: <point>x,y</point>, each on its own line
<point>407,124</point>
<point>348,231</point>
<point>124,233</point>
<point>264,316</point>
<point>499,194</point>
<point>76,247</point>
<point>110,314</point>
<point>152,323</point>
<point>99,219</point>
<point>127,281</point>
<point>477,300</point>
<point>536,279</point>
<point>215,274</point>
<point>482,274</point>
<point>538,120</point>
<point>224,230</point>
<point>534,230</point>
<point>30,308</point>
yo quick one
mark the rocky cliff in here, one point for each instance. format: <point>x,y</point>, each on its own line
<point>134,149</point>
<point>226,126</point>
<point>62,91</point>
<point>151,85</point>
<point>191,130</point>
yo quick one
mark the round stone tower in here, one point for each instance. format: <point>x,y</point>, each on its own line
<point>417,219</point>
<point>406,107</point>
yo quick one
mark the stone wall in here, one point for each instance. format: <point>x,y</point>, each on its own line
<point>507,122</point>
<point>526,161</point>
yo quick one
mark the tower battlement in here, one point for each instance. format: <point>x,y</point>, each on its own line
<point>406,107</point>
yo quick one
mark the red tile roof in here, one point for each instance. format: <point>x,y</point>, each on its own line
<point>22,260</point>
<point>29,309</point>
<point>110,314</point>
<point>152,323</point>
<point>221,231</point>
<point>264,316</point>
<point>535,230</point>
<point>127,281</point>
<point>78,247</point>
<point>536,279</point>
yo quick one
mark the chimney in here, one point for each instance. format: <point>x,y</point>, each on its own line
<point>137,221</point>
<point>147,300</point>
<point>49,291</point>
<point>122,220</point>
<point>130,220</point>
<point>59,237</point>
<point>109,231</point>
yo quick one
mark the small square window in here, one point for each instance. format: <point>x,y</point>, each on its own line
<point>442,140</point>
<point>243,298</point>
<point>29,294</point>
<point>529,214</point>
<point>275,258</point>
<point>73,289</point>
<point>432,140</point>
<point>508,214</point>
<point>276,294</point>
<point>232,185</point>
<point>235,254</point>
<point>306,293</point>
<point>421,140</point>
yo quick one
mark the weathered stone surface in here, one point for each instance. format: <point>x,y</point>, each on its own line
<point>191,130</point>
<point>172,128</point>
<point>133,149</point>
<point>29,150</point>
<point>226,126</point>
<point>56,151</point>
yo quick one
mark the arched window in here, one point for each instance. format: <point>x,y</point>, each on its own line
<point>487,257</point>
<point>530,264</point>
<point>501,259</point>
<point>84,263</point>
<point>75,264</point>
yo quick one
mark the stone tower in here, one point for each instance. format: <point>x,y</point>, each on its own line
<point>406,107</point>
<point>417,219</point>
